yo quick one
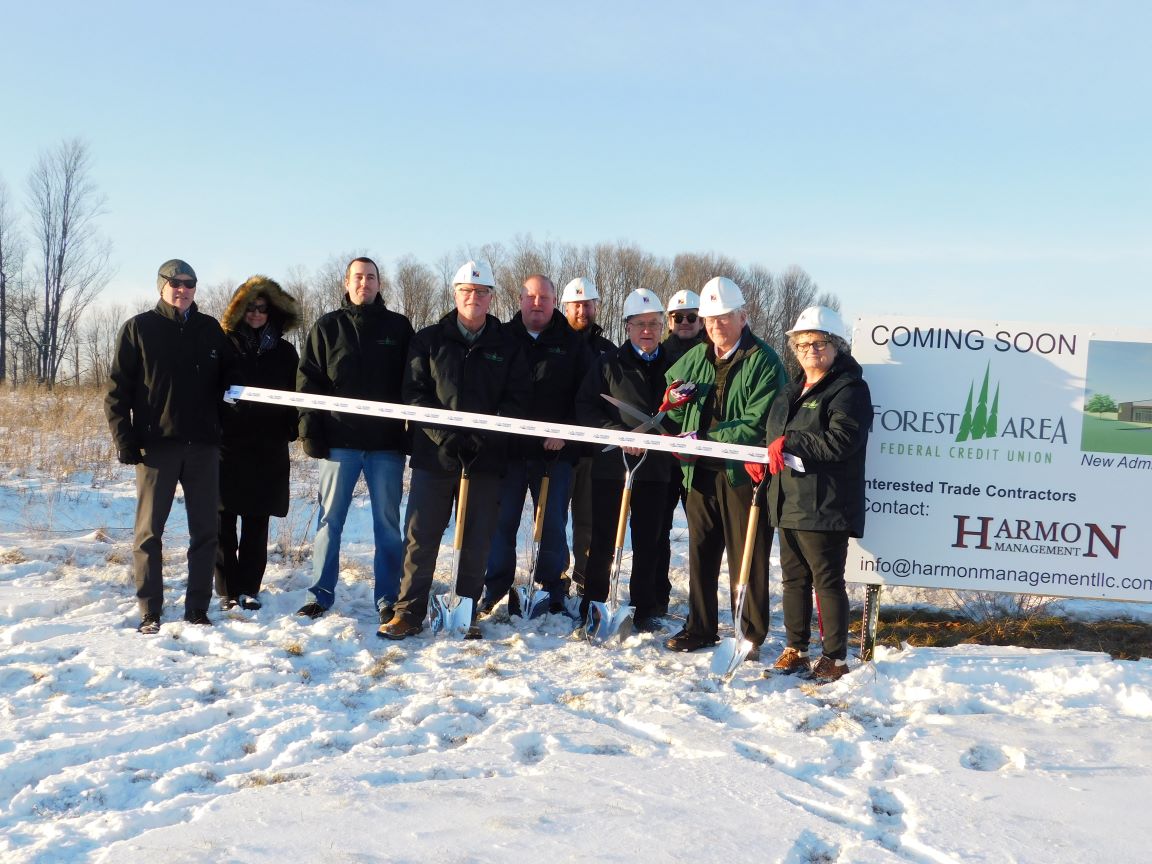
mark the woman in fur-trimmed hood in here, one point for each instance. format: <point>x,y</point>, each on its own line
<point>254,464</point>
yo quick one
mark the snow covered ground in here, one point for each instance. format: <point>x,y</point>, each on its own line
<point>267,738</point>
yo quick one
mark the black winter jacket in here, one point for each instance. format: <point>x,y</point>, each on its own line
<point>358,352</point>
<point>675,347</point>
<point>594,336</point>
<point>488,376</point>
<point>624,374</point>
<point>254,462</point>
<point>827,427</point>
<point>168,379</point>
<point>558,359</point>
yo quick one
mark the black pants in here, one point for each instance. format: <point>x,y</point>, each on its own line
<point>645,521</point>
<point>431,495</point>
<point>675,495</point>
<point>815,559</point>
<point>717,523</point>
<point>241,558</point>
<point>581,500</point>
<point>196,467</point>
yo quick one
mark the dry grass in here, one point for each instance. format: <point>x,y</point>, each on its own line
<point>57,432</point>
<point>1122,638</point>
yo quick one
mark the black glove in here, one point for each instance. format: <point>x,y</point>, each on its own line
<point>470,444</point>
<point>462,445</point>
<point>129,456</point>
<point>314,447</point>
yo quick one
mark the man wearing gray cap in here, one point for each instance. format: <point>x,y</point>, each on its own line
<point>168,376</point>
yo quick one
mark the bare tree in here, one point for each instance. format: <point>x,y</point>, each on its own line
<point>72,258</point>
<point>795,291</point>
<point>11,266</point>
<point>418,291</point>
<point>97,341</point>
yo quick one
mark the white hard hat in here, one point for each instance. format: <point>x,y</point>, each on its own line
<point>640,301</point>
<point>684,300</point>
<point>474,273</point>
<point>719,296</point>
<point>820,318</point>
<point>580,288</point>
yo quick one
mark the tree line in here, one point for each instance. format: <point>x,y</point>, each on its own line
<point>52,331</point>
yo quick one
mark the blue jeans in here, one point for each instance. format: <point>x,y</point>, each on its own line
<point>384,474</point>
<point>524,476</point>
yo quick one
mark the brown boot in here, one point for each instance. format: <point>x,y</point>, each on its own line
<point>789,662</point>
<point>826,669</point>
<point>398,628</point>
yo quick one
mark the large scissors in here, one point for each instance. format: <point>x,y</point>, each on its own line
<point>677,395</point>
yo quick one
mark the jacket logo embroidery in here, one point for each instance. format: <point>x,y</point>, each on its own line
<point>811,403</point>
<point>493,356</point>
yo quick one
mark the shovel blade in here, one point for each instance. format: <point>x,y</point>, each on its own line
<point>607,622</point>
<point>728,656</point>
<point>538,605</point>
<point>451,616</point>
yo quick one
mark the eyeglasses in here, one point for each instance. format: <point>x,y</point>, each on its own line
<point>645,325</point>
<point>805,347</point>
<point>182,283</point>
<point>258,308</point>
<point>681,317</point>
<point>479,291</point>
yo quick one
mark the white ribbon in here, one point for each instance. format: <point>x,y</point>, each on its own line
<point>512,425</point>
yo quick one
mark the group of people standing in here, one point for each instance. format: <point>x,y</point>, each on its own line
<point>699,372</point>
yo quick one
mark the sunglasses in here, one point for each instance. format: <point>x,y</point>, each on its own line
<point>258,308</point>
<point>182,283</point>
<point>681,317</point>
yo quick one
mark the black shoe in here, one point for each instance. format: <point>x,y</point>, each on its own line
<point>198,616</point>
<point>249,602</point>
<point>227,603</point>
<point>149,625</point>
<point>488,604</point>
<point>386,614</point>
<point>514,607</point>
<point>311,610</point>
<point>685,641</point>
<point>647,624</point>
<point>473,632</point>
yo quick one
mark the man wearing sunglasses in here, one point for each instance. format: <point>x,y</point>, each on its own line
<point>168,377</point>
<point>685,326</point>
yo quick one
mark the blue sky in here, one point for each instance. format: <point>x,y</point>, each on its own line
<point>979,159</point>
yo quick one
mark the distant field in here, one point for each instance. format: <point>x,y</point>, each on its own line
<point>1105,434</point>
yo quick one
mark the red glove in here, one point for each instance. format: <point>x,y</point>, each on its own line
<point>776,455</point>
<point>686,457</point>
<point>678,393</point>
<point>755,471</point>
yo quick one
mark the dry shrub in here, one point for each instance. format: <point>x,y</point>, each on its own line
<point>1122,638</point>
<point>57,432</point>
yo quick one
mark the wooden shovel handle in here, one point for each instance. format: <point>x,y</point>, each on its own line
<point>541,505</point>
<point>461,510</point>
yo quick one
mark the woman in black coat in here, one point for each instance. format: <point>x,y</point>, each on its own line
<point>817,432</point>
<point>254,466</point>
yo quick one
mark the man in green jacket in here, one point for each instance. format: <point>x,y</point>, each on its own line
<point>737,375</point>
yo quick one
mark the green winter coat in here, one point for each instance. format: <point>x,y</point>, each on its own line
<point>752,385</point>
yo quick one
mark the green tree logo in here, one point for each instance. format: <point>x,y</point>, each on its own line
<point>980,422</point>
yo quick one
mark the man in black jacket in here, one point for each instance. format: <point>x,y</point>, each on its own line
<point>558,360</point>
<point>581,303</point>
<point>465,362</point>
<point>167,379</point>
<point>358,351</point>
